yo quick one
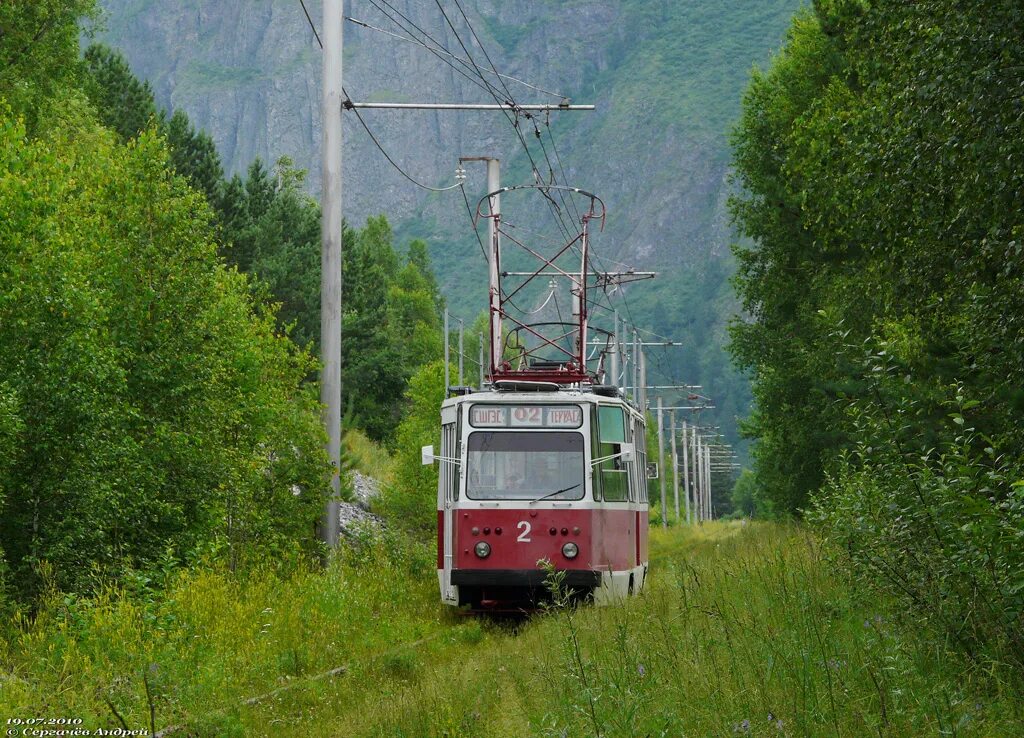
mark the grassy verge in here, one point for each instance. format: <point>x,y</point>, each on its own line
<point>743,630</point>
<point>368,457</point>
<point>209,640</point>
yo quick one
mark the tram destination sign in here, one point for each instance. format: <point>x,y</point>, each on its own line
<point>526,416</point>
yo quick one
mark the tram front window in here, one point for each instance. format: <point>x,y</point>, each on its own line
<point>509,465</point>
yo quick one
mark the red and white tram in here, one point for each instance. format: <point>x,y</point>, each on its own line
<point>544,465</point>
<point>531,472</point>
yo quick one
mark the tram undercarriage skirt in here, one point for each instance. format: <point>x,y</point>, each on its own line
<point>574,578</point>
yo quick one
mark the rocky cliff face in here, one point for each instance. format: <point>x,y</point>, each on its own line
<point>249,73</point>
<point>666,75</point>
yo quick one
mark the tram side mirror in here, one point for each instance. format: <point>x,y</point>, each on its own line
<point>652,469</point>
<point>427,455</point>
<point>627,451</point>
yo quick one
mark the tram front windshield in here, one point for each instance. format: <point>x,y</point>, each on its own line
<point>510,465</point>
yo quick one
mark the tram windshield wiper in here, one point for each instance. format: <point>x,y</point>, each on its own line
<point>556,492</point>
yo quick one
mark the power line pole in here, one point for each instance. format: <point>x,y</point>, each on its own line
<point>698,482</point>
<point>494,260</point>
<point>615,350</point>
<point>675,459</point>
<point>330,261</point>
<point>708,507</point>
<point>636,370</point>
<point>461,331</point>
<point>481,336</point>
<point>661,466</point>
<point>643,382</point>
<point>447,356</point>
<point>686,475</point>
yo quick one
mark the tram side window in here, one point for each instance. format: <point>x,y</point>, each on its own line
<point>614,473</point>
<point>641,465</point>
<point>450,447</point>
<point>595,451</point>
<point>631,465</point>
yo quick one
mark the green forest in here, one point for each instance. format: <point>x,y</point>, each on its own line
<point>159,324</point>
<point>881,167</point>
<point>162,471</point>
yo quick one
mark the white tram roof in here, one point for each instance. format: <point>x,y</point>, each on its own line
<point>584,394</point>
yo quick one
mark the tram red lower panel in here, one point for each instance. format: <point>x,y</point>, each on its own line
<point>519,538</point>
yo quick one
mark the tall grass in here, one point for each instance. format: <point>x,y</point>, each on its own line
<point>209,640</point>
<point>368,457</point>
<point>743,630</point>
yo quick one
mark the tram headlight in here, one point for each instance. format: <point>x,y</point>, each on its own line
<point>482,549</point>
<point>570,550</point>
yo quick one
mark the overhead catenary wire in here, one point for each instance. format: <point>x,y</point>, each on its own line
<point>392,161</point>
<point>509,99</point>
<point>480,44</point>
<point>366,128</point>
<point>472,222</point>
<point>441,50</point>
<point>529,116</point>
<point>558,158</point>
<point>311,25</point>
<point>438,49</point>
<point>512,115</point>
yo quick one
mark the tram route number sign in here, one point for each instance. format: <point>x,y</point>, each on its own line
<point>526,416</point>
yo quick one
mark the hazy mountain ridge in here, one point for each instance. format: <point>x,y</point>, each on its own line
<point>666,76</point>
<point>248,73</point>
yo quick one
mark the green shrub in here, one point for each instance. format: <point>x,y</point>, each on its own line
<point>411,500</point>
<point>749,500</point>
<point>167,412</point>
<point>938,526</point>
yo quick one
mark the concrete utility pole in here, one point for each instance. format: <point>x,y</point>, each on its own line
<point>661,466</point>
<point>707,477</point>
<point>675,459</point>
<point>494,259</point>
<point>447,356</point>
<point>481,336</point>
<point>643,381</point>
<point>330,261</point>
<point>624,359</point>
<point>636,370</point>
<point>615,351</point>
<point>686,474</point>
<point>698,482</point>
<point>461,331</point>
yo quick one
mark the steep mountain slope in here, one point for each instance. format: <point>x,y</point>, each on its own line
<point>666,76</point>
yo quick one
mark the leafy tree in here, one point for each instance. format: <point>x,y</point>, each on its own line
<point>882,161</point>
<point>194,155</point>
<point>39,53</point>
<point>412,500</point>
<point>167,415</point>
<point>283,243</point>
<point>420,257</point>
<point>390,326</point>
<point>412,311</point>
<point>11,428</point>
<point>747,499</point>
<point>126,105</point>
<point>123,102</point>
<point>781,278</point>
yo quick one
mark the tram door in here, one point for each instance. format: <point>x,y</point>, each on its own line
<point>448,491</point>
